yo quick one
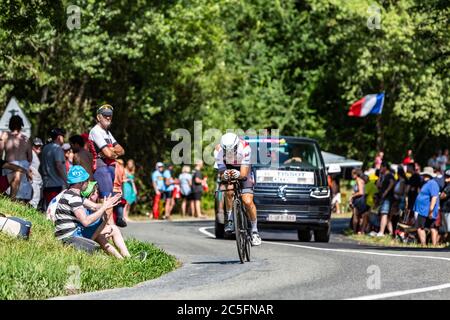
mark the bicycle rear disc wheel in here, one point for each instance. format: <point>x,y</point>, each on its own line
<point>239,230</point>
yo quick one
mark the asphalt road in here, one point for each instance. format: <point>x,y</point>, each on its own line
<point>284,268</point>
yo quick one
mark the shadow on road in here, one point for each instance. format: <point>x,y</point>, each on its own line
<point>217,262</point>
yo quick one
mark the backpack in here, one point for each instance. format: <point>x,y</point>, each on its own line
<point>51,208</point>
<point>15,227</point>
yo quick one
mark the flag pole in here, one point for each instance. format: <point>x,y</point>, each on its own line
<point>379,127</point>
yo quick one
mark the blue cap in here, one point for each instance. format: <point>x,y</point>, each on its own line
<point>77,174</point>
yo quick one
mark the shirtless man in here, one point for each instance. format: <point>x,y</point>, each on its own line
<point>18,151</point>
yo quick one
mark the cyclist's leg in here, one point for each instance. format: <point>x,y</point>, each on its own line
<point>247,199</point>
<point>229,198</point>
<point>249,204</point>
<point>250,208</point>
<point>229,227</point>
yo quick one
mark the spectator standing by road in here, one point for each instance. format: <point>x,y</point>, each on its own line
<point>440,179</point>
<point>37,179</point>
<point>68,156</point>
<point>398,204</point>
<point>81,156</point>
<point>17,148</point>
<point>442,160</point>
<point>409,158</point>
<point>169,200</point>
<point>371,189</point>
<point>358,201</point>
<point>334,183</point>
<point>158,186</point>
<point>129,187</point>
<point>413,185</point>
<point>432,162</point>
<point>445,204</point>
<point>119,176</point>
<point>378,160</point>
<point>197,190</point>
<point>186,187</point>
<point>427,206</point>
<point>53,170</point>
<point>386,185</point>
<point>107,150</point>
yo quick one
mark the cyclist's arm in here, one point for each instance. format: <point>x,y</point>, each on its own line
<point>245,169</point>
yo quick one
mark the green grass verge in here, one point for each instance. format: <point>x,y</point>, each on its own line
<point>42,267</point>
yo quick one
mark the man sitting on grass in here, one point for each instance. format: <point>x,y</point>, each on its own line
<point>100,231</point>
<point>70,215</point>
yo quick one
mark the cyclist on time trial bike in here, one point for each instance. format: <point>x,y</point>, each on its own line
<point>232,157</point>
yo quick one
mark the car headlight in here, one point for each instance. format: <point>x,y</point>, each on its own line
<point>320,193</point>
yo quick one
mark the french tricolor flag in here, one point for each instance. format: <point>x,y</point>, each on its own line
<point>370,104</point>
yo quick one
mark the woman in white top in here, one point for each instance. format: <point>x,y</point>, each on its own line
<point>186,187</point>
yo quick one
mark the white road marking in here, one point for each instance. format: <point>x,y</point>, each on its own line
<point>369,297</point>
<point>401,293</point>
<point>209,234</point>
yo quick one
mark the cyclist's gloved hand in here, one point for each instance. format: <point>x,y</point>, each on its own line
<point>226,175</point>
<point>231,174</point>
<point>235,173</point>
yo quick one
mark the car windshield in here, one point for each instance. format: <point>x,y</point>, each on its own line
<point>289,154</point>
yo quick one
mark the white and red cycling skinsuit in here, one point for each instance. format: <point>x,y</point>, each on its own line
<point>242,156</point>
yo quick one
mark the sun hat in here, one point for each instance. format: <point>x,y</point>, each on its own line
<point>77,174</point>
<point>428,171</point>
<point>66,146</point>
<point>37,142</point>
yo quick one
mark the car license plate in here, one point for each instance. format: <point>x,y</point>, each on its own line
<point>282,217</point>
<point>282,176</point>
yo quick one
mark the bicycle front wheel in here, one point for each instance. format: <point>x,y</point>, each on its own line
<point>240,230</point>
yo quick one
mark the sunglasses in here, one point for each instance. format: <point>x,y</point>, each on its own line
<point>105,107</point>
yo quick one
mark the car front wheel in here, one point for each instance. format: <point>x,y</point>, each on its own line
<point>322,235</point>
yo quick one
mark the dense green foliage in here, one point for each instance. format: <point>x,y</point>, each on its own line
<point>42,267</point>
<point>291,65</point>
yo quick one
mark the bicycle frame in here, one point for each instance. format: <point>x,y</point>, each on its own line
<point>242,230</point>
